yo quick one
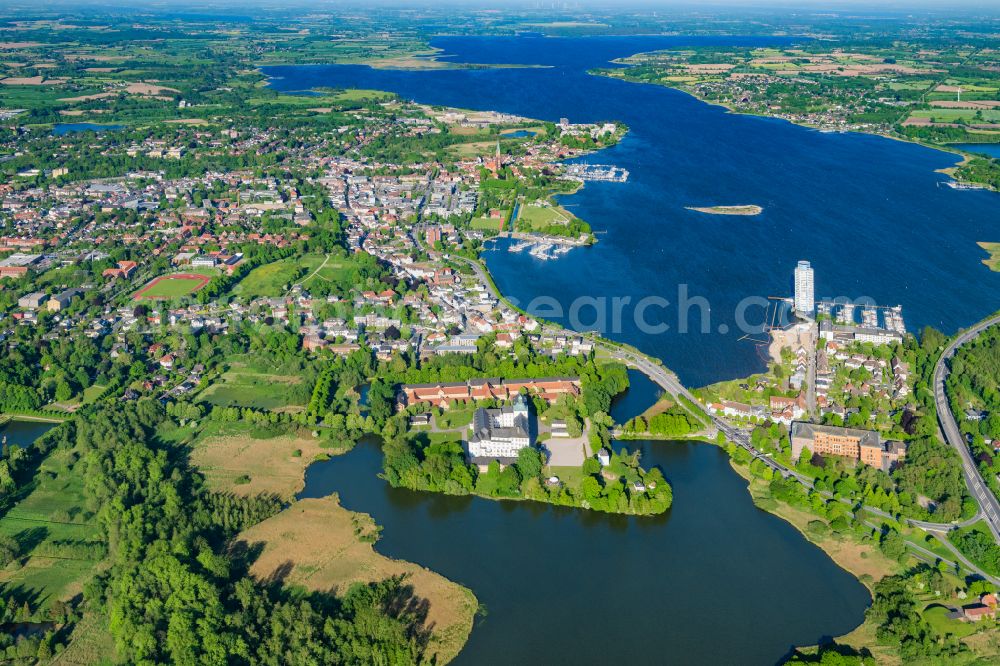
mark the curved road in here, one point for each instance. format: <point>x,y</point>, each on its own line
<point>977,487</point>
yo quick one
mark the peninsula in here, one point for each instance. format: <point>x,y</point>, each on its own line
<point>993,261</point>
<point>928,89</point>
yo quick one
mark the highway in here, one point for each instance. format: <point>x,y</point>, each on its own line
<point>987,501</point>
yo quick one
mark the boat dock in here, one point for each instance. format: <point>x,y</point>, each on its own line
<point>596,172</point>
<point>541,246</point>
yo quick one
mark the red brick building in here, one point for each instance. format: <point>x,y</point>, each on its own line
<point>442,394</point>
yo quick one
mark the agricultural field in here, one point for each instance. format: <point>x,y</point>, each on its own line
<point>372,51</point>
<point>85,72</point>
<point>172,287</point>
<point>968,116</point>
<point>241,386</point>
<point>324,101</point>
<point>965,89</point>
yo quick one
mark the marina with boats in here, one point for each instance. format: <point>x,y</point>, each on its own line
<point>596,172</point>
<point>541,249</point>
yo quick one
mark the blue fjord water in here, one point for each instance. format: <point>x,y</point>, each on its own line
<point>990,149</point>
<point>871,214</point>
<point>715,580</point>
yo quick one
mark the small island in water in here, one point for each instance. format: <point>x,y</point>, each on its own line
<point>728,210</point>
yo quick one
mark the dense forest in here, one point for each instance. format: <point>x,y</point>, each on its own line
<point>175,591</point>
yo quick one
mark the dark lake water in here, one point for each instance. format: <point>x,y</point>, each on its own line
<point>24,433</point>
<point>867,212</point>
<point>714,581</point>
<point>68,128</point>
<point>641,393</point>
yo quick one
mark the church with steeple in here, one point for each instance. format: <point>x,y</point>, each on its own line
<point>495,163</point>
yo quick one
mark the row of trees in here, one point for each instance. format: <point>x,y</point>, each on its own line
<point>675,422</point>
<point>980,548</point>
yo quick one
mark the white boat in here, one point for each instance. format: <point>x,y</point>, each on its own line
<point>541,251</point>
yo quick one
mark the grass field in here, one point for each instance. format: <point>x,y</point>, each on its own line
<point>89,395</point>
<point>274,279</point>
<point>514,132</point>
<point>927,541</point>
<point>455,418</point>
<point>472,149</point>
<point>240,386</point>
<point>540,217</point>
<point>911,85</point>
<point>730,390</point>
<point>226,453</point>
<point>571,477</point>
<point>488,223</point>
<point>90,643</point>
<point>53,511</point>
<point>92,393</point>
<point>937,616</point>
<point>664,403</point>
<point>171,287</point>
<point>320,545</point>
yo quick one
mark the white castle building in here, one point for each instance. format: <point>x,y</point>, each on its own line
<point>500,434</point>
